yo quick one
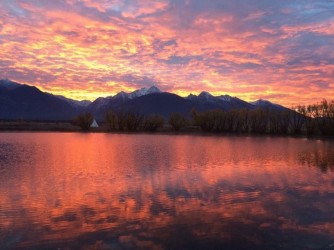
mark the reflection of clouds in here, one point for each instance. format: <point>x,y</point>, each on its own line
<point>258,50</point>
<point>164,191</point>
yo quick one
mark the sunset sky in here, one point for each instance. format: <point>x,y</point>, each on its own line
<point>277,50</point>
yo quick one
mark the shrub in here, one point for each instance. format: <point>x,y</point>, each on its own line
<point>177,121</point>
<point>153,122</point>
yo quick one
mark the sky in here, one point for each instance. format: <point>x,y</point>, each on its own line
<point>282,50</point>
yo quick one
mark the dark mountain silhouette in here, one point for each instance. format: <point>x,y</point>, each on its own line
<point>19,101</point>
<point>159,103</point>
<point>207,101</point>
<point>29,103</point>
<point>264,104</point>
<point>9,85</point>
<point>76,103</point>
<point>163,103</point>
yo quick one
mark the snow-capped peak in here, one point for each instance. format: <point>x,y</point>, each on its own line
<point>122,95</point>
<point>102,101</point>
<point>208,97</point>
<point>153,89</point>
<point>261,102</point>
<point>144,91</point>
<point>226,98</point>
<point>205,95</point>
<point>266,103</point>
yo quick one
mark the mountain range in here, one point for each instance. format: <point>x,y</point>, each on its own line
<point>21,101</point>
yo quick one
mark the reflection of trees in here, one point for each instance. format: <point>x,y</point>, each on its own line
<point>322,159</point>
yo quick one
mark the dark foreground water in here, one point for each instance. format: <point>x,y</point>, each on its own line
<point>105,191</point>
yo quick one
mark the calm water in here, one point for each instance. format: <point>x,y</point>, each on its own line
<point>105,191</point>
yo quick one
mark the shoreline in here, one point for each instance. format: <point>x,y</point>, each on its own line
<point>67,127</point>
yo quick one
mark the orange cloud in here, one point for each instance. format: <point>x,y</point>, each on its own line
<point>83,49</point>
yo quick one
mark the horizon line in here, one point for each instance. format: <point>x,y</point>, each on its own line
<point>127,92</point>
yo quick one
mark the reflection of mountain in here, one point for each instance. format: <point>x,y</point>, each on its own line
<point>19,101</point>
<point>161,191</point>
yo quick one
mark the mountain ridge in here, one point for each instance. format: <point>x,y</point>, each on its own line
<point>21,101</point>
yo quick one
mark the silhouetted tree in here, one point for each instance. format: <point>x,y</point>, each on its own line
<point>205,120</point>
<point>121,120</point>
<point>284,122</point>
<point>274,118</point>
<point>296,120</point>
<point>326,119</point>
<point>177,121</point>
<point>310,121</point>
<point>133,120</point>
<point>230,121</point>
<point>243,117</point>
<point>258,121</point>
<point>219,121</point>
<point>278,121</point>
<point>111,120</point>
<point>84,121</point>
<point>153,122</point>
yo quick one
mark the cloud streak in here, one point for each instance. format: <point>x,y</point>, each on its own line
<point>252,49</point>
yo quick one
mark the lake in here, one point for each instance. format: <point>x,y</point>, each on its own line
<point>139,191</point>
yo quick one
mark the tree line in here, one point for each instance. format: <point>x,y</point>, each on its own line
<point>310,119</point>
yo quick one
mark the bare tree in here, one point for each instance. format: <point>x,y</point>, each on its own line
<point>258,121</point>
<point>133,120</point>
<point>326,119</point>
<point>84,121</point>
<point>177,121</point>
<point>153,122</point>
<point>297,120</point>
<point>121,120</point>
<point>111,120</point>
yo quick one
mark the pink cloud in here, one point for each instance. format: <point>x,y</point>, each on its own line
<point>185,47</point>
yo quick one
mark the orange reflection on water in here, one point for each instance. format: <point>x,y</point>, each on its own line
<point>145,189</point>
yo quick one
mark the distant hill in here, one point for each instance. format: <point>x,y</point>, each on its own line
<point>159,103</point>
<point>29,103</point>
<point>75,103</point>
<point>20,101</point>
<point>207,101</point>
<point>264,104</point>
